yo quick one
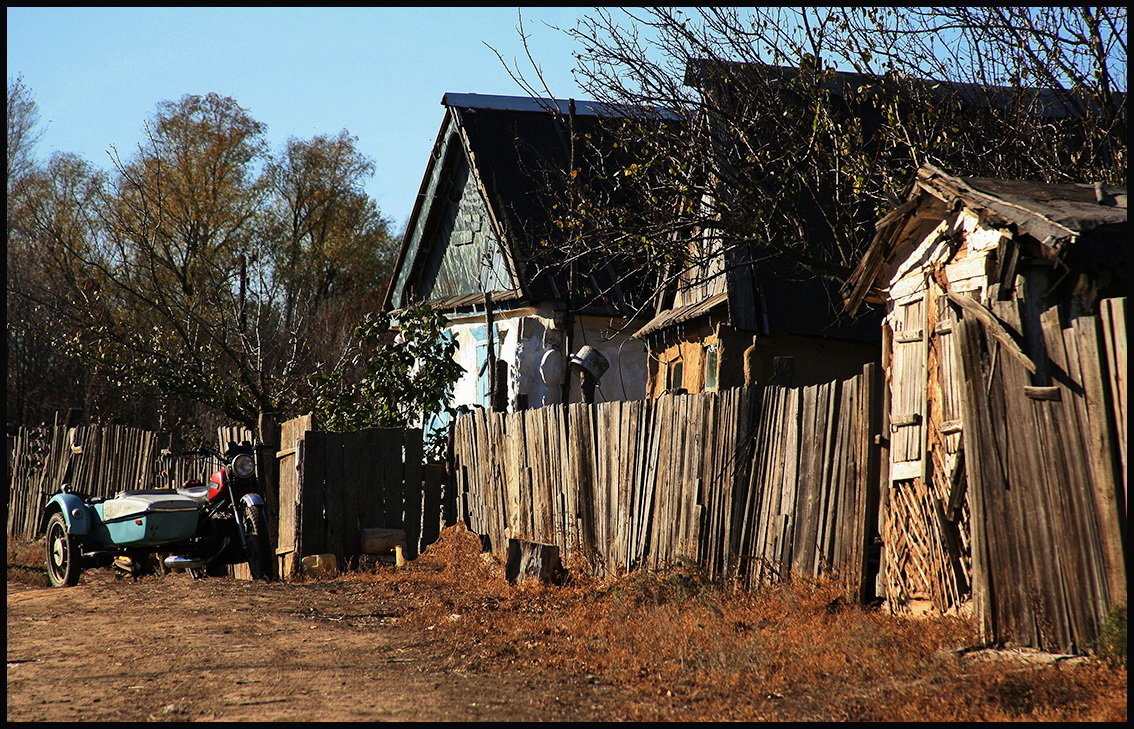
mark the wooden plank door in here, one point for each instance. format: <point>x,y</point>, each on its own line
<point>908,391</point>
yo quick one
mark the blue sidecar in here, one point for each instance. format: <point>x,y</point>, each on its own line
<point>82,532</point>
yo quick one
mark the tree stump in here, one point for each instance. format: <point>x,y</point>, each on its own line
<point>533,561</point>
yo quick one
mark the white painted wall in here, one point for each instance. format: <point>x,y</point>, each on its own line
<point>531,342</point>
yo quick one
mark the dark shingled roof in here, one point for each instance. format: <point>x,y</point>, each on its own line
<point>520,150</point>
<point>1051,213</point>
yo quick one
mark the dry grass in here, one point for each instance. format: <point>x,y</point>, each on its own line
<point>26,563</point>
<point>687,650</point>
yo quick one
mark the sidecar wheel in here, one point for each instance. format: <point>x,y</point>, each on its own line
<point>259,543</point>
<point>63,558</point>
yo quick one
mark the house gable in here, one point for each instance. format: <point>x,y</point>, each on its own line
<point>480,247</point>
<point>483,223</point>
<point>452,248</point>
<point>465,255</point>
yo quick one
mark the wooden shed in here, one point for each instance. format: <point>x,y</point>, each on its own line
<point>1004,354</point>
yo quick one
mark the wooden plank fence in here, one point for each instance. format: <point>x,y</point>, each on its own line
<point>1046,478</point>
<point>750,483</point>
<point>811,505</point>
<point>98,460</point>
<point>330,485</point>
<point>753,484</point>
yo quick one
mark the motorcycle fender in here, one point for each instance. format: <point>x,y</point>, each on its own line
<point>76,513</point>
<point>252,500</point>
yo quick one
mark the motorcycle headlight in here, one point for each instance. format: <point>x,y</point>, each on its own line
<point>244,465</point>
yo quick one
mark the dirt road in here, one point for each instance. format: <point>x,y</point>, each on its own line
<point>175,649</point>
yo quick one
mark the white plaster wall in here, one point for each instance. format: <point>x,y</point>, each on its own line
<point>538,367</point>
<point>464,391</point>
<point>531,342</point>
<point>625,379</point>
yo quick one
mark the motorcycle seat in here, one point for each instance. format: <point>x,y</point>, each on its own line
<point>200,494</point>
<point>127,504</point>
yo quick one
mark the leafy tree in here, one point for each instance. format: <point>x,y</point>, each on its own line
<point>329,238</point>
<point>203,269</point>
<point>397,379</point>
<point>327,245</point>
<point>46,219</point>
<point>800,126</point>
<point>23,131</point>
<point>170,312</point>
<point>42,380</point>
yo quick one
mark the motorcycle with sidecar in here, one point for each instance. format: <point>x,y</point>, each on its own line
<point>197,526</point>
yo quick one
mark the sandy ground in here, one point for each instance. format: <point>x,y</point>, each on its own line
<point>176,649</point>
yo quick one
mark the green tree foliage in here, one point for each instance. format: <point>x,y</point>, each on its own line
<point>398,378</point>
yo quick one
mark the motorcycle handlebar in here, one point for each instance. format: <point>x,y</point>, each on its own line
<point>206,451</point>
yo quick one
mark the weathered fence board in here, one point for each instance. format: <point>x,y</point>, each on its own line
<point>97,460</point>
<point>347,482</point>
<point>750,483</point>
<point>291,434</point>
<point>1044,482</point>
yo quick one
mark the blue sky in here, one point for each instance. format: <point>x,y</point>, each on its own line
<point>98,74</point>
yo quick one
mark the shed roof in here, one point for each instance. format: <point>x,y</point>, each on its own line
<point>681,314</point>
<point>1051,103</point>
<point>1054,214</point>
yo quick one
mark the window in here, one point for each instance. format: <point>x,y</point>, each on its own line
<point>480,337</point>
<point>712,366</point>
<point>675,375</point>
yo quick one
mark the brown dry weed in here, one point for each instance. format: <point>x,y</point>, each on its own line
<point>687,649</point>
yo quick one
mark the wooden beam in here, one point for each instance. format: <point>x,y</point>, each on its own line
<point>993,326</point>
<point>1043,393</point>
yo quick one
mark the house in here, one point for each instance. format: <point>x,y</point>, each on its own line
<point>730,320</point>
<point>765,322</point>
<point>741,315</point>
<point>1004,353</point>
<point>480,246</point>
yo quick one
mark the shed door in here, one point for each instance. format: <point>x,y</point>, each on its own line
<point>950,377</point>
<point>907,392</point>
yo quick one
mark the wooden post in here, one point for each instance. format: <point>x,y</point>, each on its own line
<point>268,473</point>
<point>783,371</point>
<point>587,385</point>
<point>493,375</point>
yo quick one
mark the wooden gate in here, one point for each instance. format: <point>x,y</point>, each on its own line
<point>334,485</point>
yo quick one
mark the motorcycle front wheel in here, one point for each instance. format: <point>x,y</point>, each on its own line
<point>63,558</point>
<point>259,543</point>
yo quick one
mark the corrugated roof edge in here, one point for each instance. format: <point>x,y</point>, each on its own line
<point>672,317</point>
<point>562,106</point>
